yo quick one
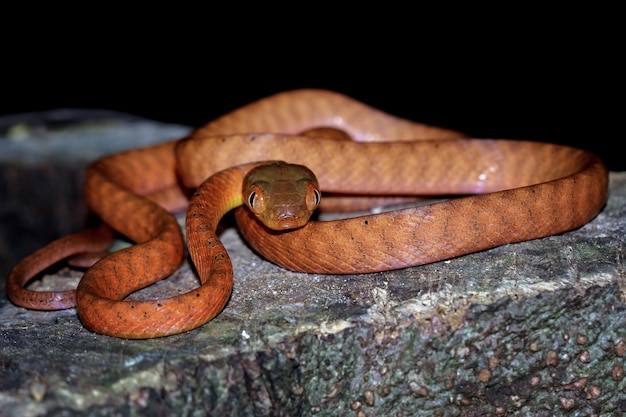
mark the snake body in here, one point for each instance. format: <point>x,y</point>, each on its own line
<point>517,191</point>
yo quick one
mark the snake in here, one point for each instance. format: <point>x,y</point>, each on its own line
<point>494,192</point>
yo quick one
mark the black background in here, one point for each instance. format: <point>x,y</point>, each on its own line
<point>554,79</point>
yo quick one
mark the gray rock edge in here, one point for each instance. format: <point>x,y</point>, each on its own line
<point>535,328</point>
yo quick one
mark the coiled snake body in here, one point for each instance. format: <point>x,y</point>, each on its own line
<point>514,191</point>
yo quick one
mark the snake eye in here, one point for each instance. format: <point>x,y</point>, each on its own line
<point>313,198</point>
<point>256,202</point>
<point>251,199</point>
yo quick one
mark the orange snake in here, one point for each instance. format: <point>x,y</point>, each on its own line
<point>517,191</point>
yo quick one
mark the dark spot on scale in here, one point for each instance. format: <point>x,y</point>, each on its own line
<point>252,138</point>
<point>132,306</point>
<point>197,294</point>
<point>159,304</point>
<point>366,222</point>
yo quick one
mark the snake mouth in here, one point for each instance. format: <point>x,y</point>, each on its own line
<point>288,223</point>
<point>287,219</point>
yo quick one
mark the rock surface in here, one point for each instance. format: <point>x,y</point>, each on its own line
<point>536,328</point>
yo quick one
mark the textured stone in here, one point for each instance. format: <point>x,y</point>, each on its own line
<point>535,328</point>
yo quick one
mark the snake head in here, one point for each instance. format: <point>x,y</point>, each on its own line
<point>282,196</point>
